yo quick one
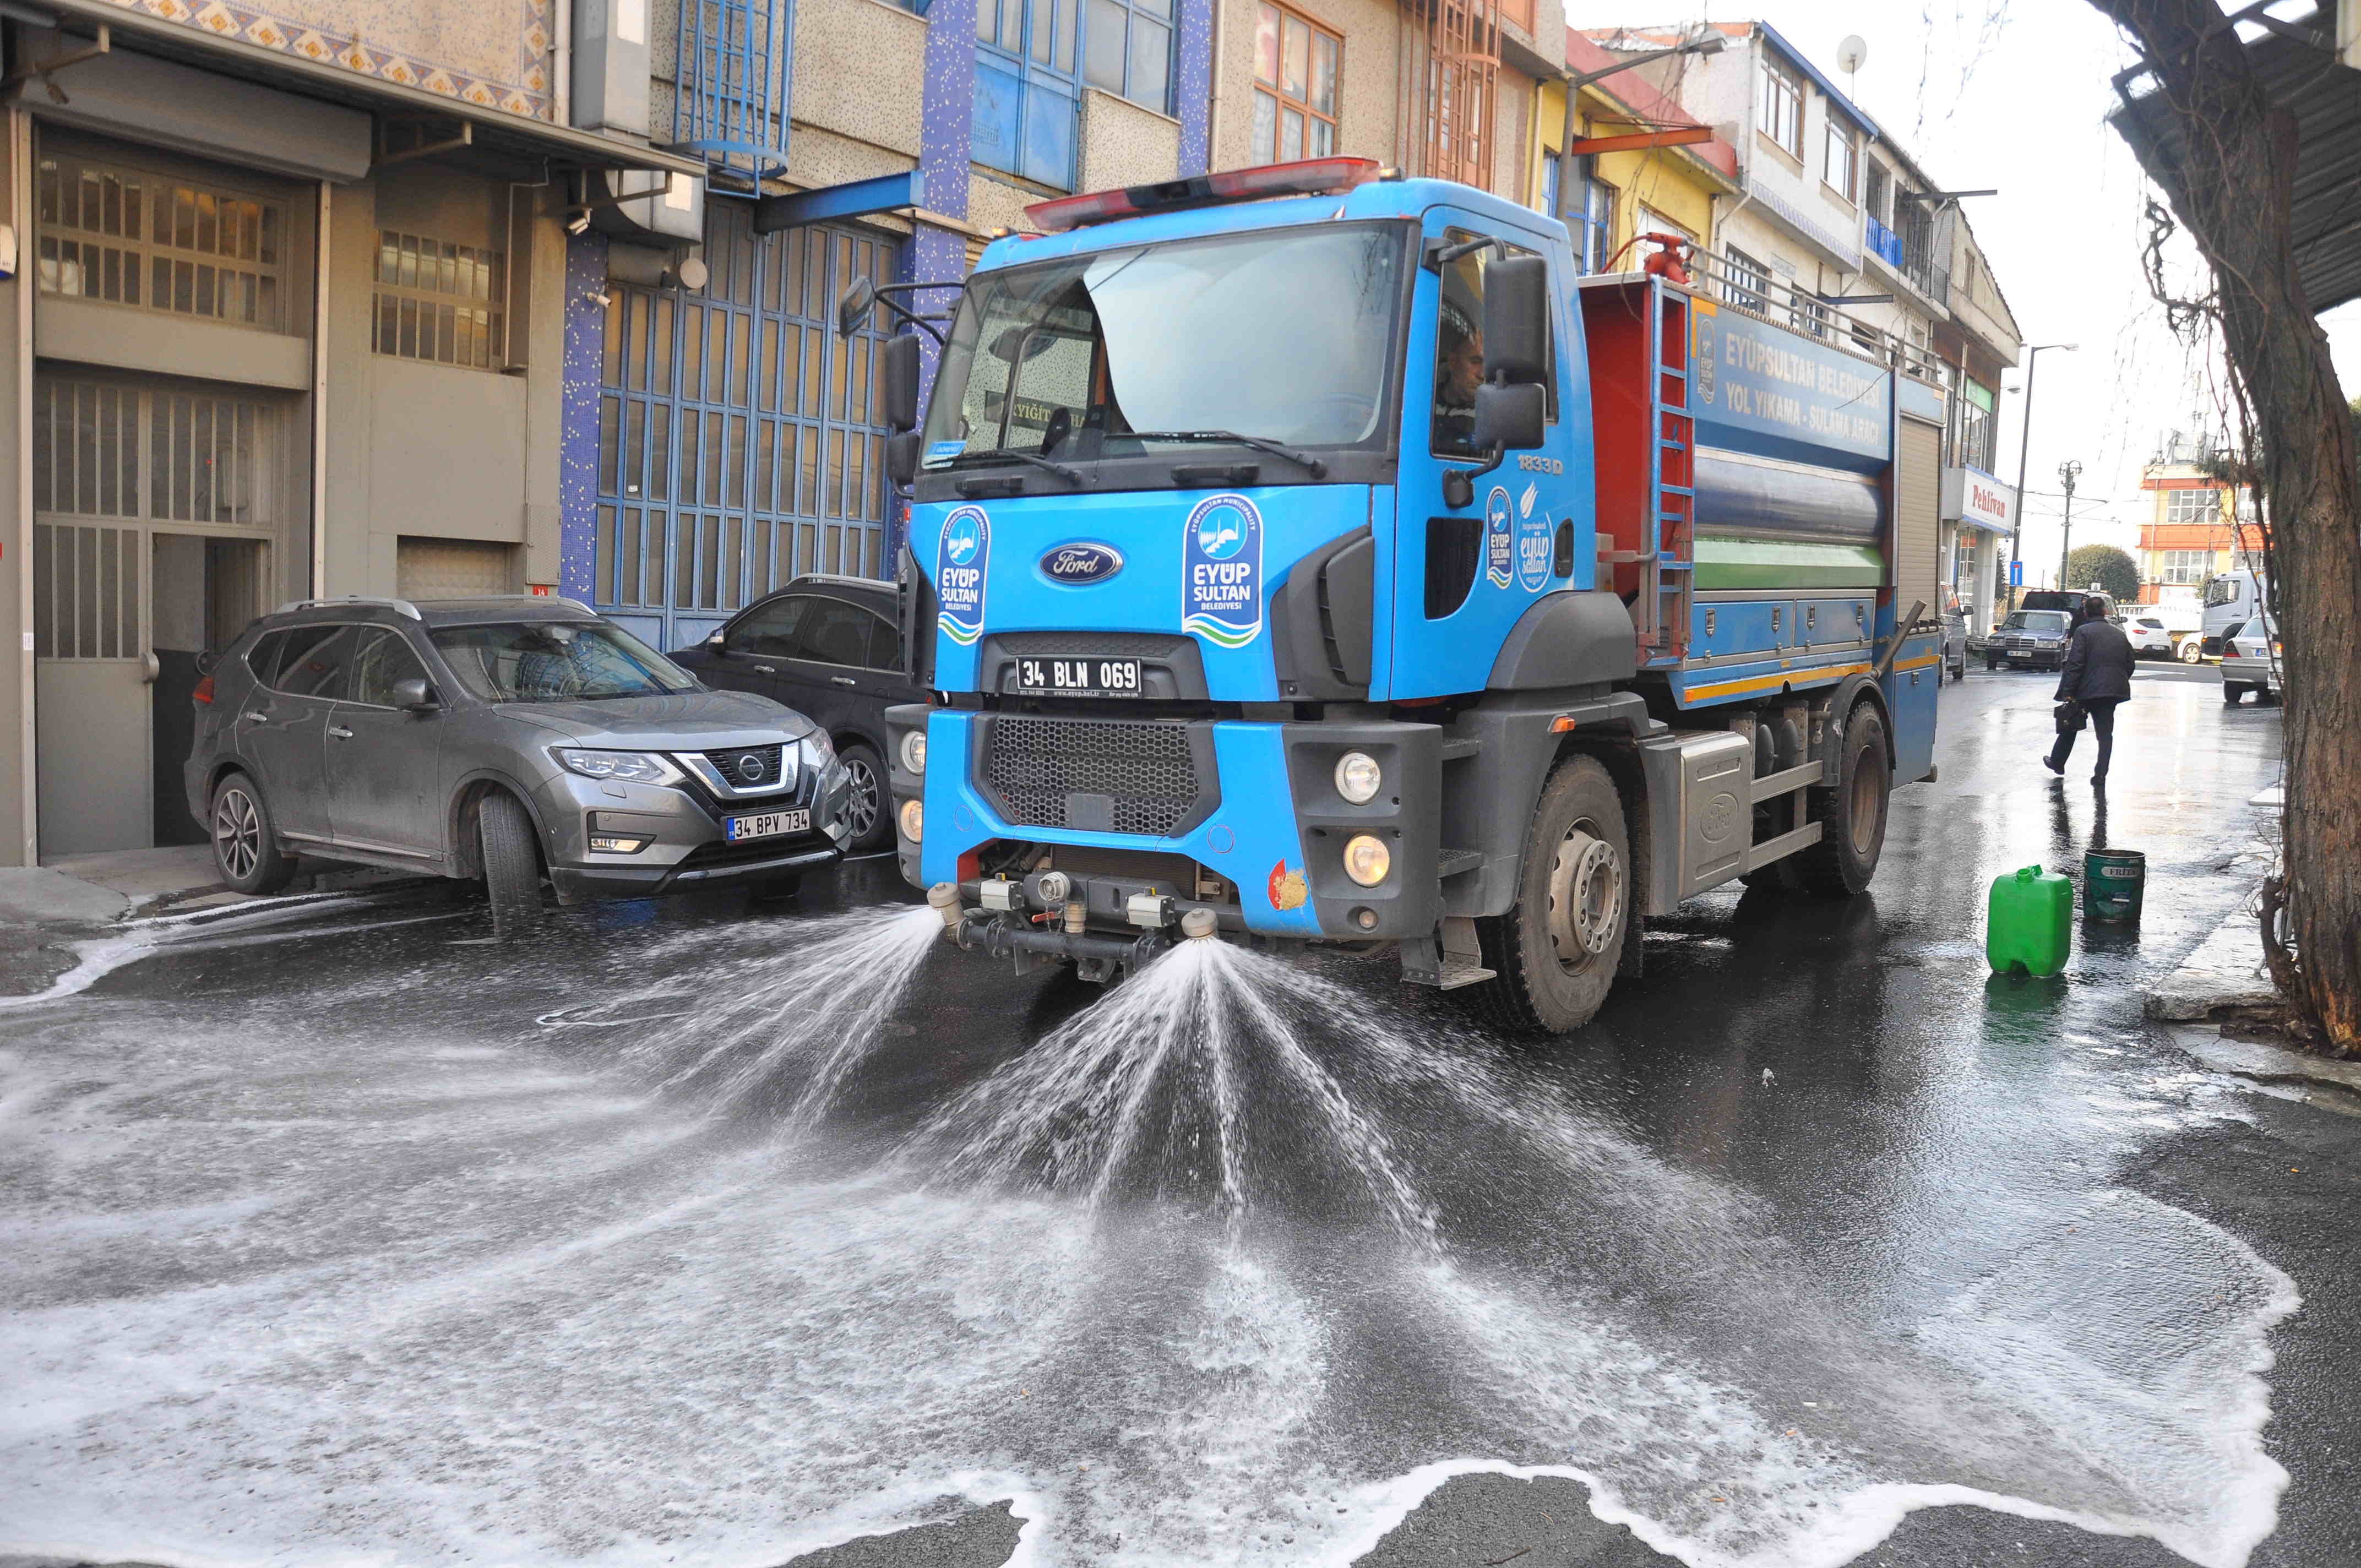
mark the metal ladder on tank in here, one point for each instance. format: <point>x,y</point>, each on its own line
<point>1669,574</point>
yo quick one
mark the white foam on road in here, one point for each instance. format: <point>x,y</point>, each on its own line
<point>275,1294</point>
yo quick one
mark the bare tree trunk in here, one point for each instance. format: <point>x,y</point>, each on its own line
<point>2229,174</point>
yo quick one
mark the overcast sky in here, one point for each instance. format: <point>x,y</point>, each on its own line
<point>2013,94</point>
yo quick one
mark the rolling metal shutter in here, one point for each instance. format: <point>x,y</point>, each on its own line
<point>453,568</point>
<point>1917,532</point>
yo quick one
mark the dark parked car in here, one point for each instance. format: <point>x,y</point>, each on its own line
<point>501,738</point>
<point>829,647</point>
<point>2031,639</point>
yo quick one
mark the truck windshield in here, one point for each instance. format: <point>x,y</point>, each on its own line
<point>1285,337</point>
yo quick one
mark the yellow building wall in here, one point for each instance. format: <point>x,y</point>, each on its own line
<point>1660,178</point>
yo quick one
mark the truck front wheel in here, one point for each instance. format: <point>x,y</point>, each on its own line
<point>1852,816</point>
<point>1554,955</point>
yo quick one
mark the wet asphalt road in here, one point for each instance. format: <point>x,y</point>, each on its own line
<point>340,1230</point>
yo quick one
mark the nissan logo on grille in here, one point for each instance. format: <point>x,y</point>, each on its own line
<point>1084,563</point>
<point>752,767</point>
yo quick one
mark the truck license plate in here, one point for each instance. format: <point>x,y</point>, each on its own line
<point>1079,677</point>
<point>765,825</point>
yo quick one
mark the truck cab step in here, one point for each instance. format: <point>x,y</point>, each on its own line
<point>1449,863</point>
<point>1457,972</point>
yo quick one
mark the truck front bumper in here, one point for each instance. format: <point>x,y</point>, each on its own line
<point>1267,822</point>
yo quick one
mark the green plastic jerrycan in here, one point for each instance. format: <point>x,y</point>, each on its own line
<point>2029,922</point>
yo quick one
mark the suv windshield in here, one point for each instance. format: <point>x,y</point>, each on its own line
<point>2036,620</point>
<point>557,661</point>
<point>1284,336</point>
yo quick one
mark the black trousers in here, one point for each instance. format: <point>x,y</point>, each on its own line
<point>2102,720</point>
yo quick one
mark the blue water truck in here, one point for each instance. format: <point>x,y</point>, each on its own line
<point>1308,555</point>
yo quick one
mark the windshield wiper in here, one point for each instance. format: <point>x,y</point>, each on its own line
<point>1072,476</point>
<point>1311,464</point>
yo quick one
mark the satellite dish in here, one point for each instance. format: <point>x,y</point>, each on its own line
<point>1852,53</point>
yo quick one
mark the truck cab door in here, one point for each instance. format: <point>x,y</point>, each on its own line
<point>1466,572</point>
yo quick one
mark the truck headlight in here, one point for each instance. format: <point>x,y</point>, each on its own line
<point>914,752</point>
<point>627,767</point>
<point>913,820</point>
<point>1366,859</point>
<point>1358,777</point>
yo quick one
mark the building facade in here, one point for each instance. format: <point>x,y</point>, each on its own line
<point>1644,164</point>
<point>2198,526</point>
<point>292,317</point>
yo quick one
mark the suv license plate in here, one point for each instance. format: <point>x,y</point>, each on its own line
<point>1078,677</point>
<point>765,825</point>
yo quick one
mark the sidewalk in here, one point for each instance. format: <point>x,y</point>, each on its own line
<point>99,889</point>
<point>2224,976</point>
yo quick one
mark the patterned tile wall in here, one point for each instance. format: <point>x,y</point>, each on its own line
<point>491,53</point>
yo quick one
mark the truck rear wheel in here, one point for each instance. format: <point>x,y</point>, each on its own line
<point>1554,953</point>
<point>1852,816</point>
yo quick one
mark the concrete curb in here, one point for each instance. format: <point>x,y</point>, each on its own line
<point>2315,1080</point>
<point>2225,974</point>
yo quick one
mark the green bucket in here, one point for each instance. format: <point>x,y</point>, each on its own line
<point>2112,884</point>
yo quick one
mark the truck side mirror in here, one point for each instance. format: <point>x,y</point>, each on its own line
<point>902,453</point>
<point>1516,321</point>
<point>897,393</point>
<point>852,306</point>
<point>1509,418</point>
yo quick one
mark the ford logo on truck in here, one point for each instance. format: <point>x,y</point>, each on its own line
<point>1081,563</point>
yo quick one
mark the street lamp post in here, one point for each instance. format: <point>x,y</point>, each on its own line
<point>2024,448</point>
<point>1707,42</point>
<point>2068,471</point>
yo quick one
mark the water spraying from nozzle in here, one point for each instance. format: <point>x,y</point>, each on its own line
<point>943,898</point>
<point>1197,925</point>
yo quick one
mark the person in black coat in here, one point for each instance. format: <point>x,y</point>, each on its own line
<point>2098,674</point>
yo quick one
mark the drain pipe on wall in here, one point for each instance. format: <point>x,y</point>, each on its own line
<point>561,69</point>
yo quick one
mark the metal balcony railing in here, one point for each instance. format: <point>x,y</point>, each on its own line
<point>1761,295</point>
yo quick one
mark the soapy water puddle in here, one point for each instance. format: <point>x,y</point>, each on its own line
<point>1233,1262</point>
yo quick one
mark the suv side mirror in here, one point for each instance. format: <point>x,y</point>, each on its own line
<point>1509,418</point>
<point>898,382</point>
<point>1516,321</point>
<point>415,695</point>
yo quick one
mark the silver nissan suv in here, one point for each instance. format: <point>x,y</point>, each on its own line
<point>506,738</point>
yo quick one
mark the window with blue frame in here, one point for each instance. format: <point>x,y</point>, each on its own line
<point>1128,49</point>
<point>1595,228</point>
<point>1027,87</point>
<point>1033,57</point>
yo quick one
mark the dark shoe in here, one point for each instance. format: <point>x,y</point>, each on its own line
<point>2054,765</point>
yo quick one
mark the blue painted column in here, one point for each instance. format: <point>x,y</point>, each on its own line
<point>944,142</point>
<point>577,430</point>
<point>1193,86</point>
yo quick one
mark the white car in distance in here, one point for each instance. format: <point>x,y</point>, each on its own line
<point>2250,663</point>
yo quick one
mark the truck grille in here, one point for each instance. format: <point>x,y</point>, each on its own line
<point>1125,777</point>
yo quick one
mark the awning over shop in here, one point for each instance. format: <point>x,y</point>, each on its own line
<point>2296,60</point>
<point>491,131</point>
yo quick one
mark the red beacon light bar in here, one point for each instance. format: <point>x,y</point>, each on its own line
<point>1310,176</point>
